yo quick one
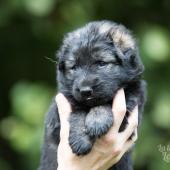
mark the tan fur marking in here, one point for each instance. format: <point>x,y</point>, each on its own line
<point>122,39</point>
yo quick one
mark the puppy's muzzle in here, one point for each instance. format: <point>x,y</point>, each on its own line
<point>86,91</point>
<point>86,87</point>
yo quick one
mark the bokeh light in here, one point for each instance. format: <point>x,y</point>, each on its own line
<point>155,43</point>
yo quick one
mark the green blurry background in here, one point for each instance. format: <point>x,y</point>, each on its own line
<point>32,30</point>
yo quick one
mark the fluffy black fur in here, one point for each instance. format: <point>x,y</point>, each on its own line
<point>95,61</point>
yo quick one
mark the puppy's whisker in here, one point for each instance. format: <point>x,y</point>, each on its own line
<point>50,59</point>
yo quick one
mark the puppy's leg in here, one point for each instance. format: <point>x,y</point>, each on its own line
<point>79,141</point>
<point>51,140</point>
<point>98,121</point>
<point>135,95</point>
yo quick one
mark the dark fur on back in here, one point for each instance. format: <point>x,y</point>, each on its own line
<point>95,61</point>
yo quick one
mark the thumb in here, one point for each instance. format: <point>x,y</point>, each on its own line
<point>64,109</point>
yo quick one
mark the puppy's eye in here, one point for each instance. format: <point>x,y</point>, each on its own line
<point>116,63</point>
<point>61,66</point>
<point>73,67</point>
<point>101,63</point>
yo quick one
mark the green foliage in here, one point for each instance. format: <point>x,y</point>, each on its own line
<point>23,128</point>
<point>31,30</point>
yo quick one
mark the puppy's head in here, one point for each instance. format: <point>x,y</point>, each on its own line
<point>96,60</point>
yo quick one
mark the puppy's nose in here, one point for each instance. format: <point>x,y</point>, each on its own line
<point>86,91</point>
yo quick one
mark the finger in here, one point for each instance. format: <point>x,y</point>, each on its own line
<point>132,124</point>
<point>126,147</point>
<point>121,150</point>
<point>64,107</point>
<point>130,143</point>
<point>119,108</point>
<point>64,110</point>
<point>135,136</point>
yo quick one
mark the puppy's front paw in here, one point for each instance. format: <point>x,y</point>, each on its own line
<point>80,144</point>
<point>98,121</point>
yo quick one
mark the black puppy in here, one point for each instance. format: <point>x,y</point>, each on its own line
<point>95,61</point>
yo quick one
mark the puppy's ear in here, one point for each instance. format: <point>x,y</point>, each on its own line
<point>134,61</point>
<point>122,38</point>
<point>131,56</point>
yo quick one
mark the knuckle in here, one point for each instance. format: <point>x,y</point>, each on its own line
<point>109,139</point>
<point>135,118</point>
<point>117,151</point>
<point>122,111</point>
<point>134,125</point>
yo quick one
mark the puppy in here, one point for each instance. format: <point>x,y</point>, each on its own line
<point>94,62</point>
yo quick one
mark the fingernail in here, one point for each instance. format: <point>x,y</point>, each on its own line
<point>119,101</point>
<point>120,92</point>
<point>120,95</point>
<point>58,97</point>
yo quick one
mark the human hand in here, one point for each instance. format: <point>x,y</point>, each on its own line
<point>108,149</point>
